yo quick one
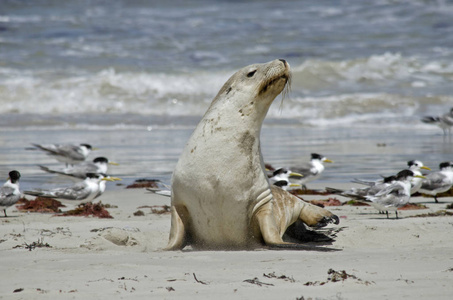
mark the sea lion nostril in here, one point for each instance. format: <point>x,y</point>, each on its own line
<point>283,61</point>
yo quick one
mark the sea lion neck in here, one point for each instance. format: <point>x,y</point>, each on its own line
<point>237,116</point>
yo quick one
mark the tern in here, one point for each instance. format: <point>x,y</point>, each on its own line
<point>9,192</point>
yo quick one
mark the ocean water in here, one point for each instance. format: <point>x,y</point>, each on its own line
<point>133,78</point>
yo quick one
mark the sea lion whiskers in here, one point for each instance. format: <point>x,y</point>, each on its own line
<point>274,74</point>
<point>286,91</point>
<point>271,81</point>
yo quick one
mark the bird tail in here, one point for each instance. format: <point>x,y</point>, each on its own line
<point>362,181</point>
<point>36,193</point>
<point>45,149</point>
<point>46,169</point>
<point>430,120</point>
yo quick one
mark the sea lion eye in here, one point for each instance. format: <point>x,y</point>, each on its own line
<point>251,73</point>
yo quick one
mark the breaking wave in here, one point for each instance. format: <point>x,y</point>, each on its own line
<point>373,89</point>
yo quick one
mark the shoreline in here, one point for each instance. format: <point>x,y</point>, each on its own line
<point>101,258</point>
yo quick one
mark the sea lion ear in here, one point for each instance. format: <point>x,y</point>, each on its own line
<point>228,90</point>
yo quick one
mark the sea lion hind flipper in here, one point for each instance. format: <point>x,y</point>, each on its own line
<point>326,220</point>
<point>177,239</point>
<point>273,240</point>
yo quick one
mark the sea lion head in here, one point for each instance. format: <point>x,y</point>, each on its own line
<point>260,82</point>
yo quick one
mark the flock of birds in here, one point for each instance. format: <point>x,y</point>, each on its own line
<point>386,194</point>
<point>91,177</point>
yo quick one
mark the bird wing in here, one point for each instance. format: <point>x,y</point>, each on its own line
<point>69,172</point>
<point>81,170</point>
<point>376,189</point>
<point>72,151</point>
<point>50,149</point>
<point>364,182</point>
<point>85,168</point>
<point>395,195</point>
<point>79,191</point>
<point>393,189</point>
<point>8,196</point>
<point>75,192</point>
<point>447,119</point>
<point>434,181</point>
<point>6,191</point>
<point>305,170</point>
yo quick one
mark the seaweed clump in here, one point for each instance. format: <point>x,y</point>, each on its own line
<point>439,213</point>
<point>144,183</point>
<point>338,276</point>
<point>89,209</point>
<point>413,206</point>
<point>354,202</point>
<point>157,209</point>
<point>40,205</point>
<point>328,202</point>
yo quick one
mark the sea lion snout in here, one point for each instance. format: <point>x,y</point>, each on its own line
<point>275,77</point>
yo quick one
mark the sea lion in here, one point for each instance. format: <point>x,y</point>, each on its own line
<point>221,197</point>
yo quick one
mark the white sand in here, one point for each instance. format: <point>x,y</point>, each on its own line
<point>89,258</point>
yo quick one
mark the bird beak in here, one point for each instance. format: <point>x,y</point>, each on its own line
<point>113,163</point>
<point>420,176</point>
<point>111,179</point>
<point>328,160</point>
<point>294,174</point>
<point>92,149</point>
<point>294,185</point>
<point>426,168</point>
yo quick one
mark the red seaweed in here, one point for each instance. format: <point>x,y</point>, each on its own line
<point>144,183</point>
<point>40,205</point>
<point>89,209</point>
<point>327,202</point>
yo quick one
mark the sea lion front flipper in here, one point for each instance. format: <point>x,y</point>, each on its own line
<point>268,227</point>
<point>177,232</point>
